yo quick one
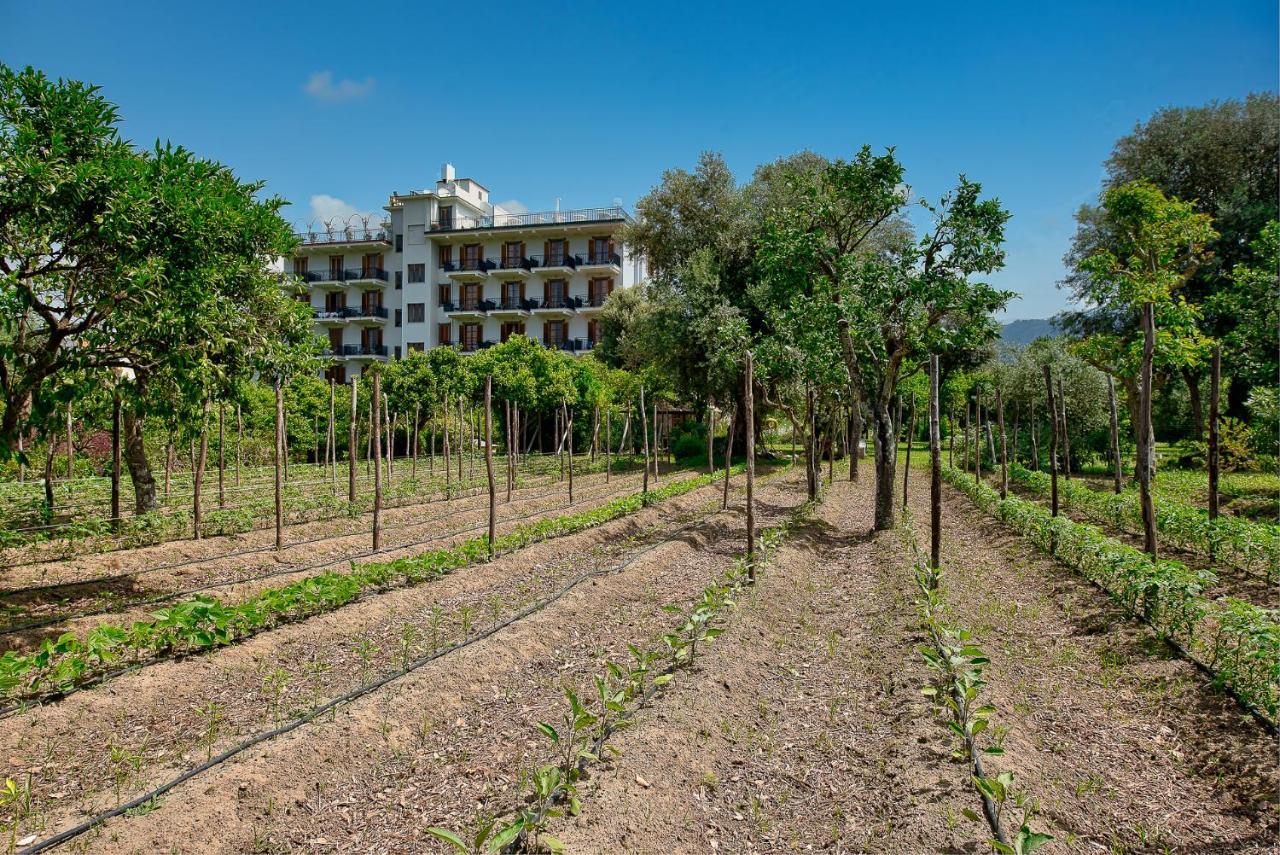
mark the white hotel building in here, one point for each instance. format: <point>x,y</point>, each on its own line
<point>450,268</point>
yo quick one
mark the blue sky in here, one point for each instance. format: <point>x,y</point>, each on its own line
<point>342,103</point>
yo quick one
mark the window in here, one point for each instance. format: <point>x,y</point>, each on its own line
<point>371,265</point>
<point>336,373</point>
<point>512,295</point>
<point>417,273</point>
<point>399,280</point>
<point>335,341</point>
<point>593,332</point>
<point>598,290</point>
<point>555,293</point>
<point>303,298</point>
<point>300,265</point>
<point>397,351</point>
<point>470,336</point>
<point>417,346</point>
<point>512,253</point>
<point>446,295</point>
<point>444,334</point>
<point>446,256</point>
<point>601,250</point>
<point>399,243</point>
<point>397,317</point>
<point>335,268</point>
<point>335,302</point>
<point>471,296</point>
<point>557,251</point>
<point>417,313</point>
<point>553,332</point>
<point>446,216</point>
<point>512,328</point>
<point>471,256</point>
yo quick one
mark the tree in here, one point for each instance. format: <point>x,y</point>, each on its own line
<point>898,298</point>
<point>154,262</point>
<point>1221,158</point>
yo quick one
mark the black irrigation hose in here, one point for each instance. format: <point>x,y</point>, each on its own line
<point>347,697</point>
<point>27,703</point>
<point>186,562</point>
<point>292,568</point>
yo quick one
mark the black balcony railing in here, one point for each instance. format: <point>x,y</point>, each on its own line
<point>558,303</point>
<point>556,260</point>
<point>570,344</point>
<point>344,235</point>
<point>339,314</point>
<point>537,218</point>
<point>513,263</point>
<point>369,312</point>
<point>604,258</point>
<point>348,275</point>
<point>470,306</point>
<point>468,264</point>
<point>473,346</point>
<point>514,304</point>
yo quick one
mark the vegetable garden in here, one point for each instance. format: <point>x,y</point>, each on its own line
<point>798,559</point>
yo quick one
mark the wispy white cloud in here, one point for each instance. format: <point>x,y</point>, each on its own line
<point>322,87</point>
<point>325,207</point>
<point>513,206</point>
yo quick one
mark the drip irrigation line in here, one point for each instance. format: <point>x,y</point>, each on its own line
<point>352,695</point>
<point>549,474</point>
<point>186,562</point>
<point>296,568</point>
<point>19,706</point>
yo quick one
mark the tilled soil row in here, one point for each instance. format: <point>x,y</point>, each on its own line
<point>93,566</point>
<point>1125,745</point>
<point>160,719</point>
<point>241,576</point>
<point>803,728</point>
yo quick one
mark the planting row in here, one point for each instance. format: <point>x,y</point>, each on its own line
<point>1249,545</point>
<point>1237,641</point>
<point>206,622</point>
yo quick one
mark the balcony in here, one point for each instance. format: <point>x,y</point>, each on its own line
<point>468,269</point>
<point>513,268</point>
<point>467,310</point>
<point>473,346</point>
<point>367,278</point>
<point>592,305</point>
<point>582,216</point>
<point>556,307</point>
<point>508,309</point>
<point>556,266</point>
<point>369,316</point>
<point>573,345</point>
<point>364,351</point>
<point>601,264</point>
<point>346,236</point>
<point>334,317</point>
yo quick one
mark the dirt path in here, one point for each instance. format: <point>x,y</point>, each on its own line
<point>156,715</point>
<point>803,728</point>
<point>1126,746</point>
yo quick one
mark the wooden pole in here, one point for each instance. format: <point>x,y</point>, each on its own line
<point>935,466</point>
<point>1004,450</point>
<point>1118,467</point>
<point>353,439</point>
<point>595,431</point>
<point>906,469</point>
<point>1146,453</point>
<point>748,422</point>
<point>22,467</point>
<point>417,414</point>
<point>488,464</point>
<point>284,444</point>
<point>448,467</point>
<point>222,459</point>
<point>1066,435</point>
<point>510,457</point>
<point>1035,439</point>
<point>1053,440</point>
<point>329,464</point>
<point>568,421</point>
<point>461,455</point>
<point>644,429</point>
<point>1215,386</point>
<point>729,422</point>
<point>376,430</point>
<point>977,434</point>
<point>608,435</point>
<point>168,466</point>
<point>831,451</point>
<point>115,461</point>
<point>711,437</point>
<point>655,441</point>
<point>71,450</point>
<point>198,478</point>
<point>239,442</point>
<point>279,462</point>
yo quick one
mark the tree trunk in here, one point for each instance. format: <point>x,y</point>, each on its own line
<point>1115,435</point>
<point>1215,386</point>
<point>886,460</point>
<point>1146,452</point>
<point>1197,405</point>
<point>135,457</point>
<point>1053,440</point>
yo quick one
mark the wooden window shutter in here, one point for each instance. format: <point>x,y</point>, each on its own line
<point>546,291</point>
<point>546,252</point>
<point>522,292</point>
<point>610,286</point>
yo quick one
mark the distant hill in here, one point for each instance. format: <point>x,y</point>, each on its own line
<point>1016,333</point>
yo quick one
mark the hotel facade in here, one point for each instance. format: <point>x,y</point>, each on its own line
<point>449,268</point>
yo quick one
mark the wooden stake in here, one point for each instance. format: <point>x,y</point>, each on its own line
<point>448,468</point>
<point>608,431</point>
<point>1066,435</point>
<point>1215,386</point>
<point>1004,451</point>
<point>568,421</point>
<point>510,457</point>
<point>376,430</point>
<point>279,462</point>
<point>748,422</point>
<point>239,443</point>
<point>711,437</point>
<point>906,470</point>
<point>644,429</point>
<point>198,478</point>
<point>1053,440</point>
<point>935,466</point>
<point>71,451</point>
<point>222,460</point>
<point>1118,467</point>
<point>488,465</point>
<point>655,441</point>
<point>729,422</point>
<point>353,440</point>
<point>115,461</point>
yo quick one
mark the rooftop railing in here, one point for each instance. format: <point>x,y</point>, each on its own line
<point>344,235</point>
<point>538,218</point>
<point>348,275</point>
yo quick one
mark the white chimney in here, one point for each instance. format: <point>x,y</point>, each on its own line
<point>446,172</point>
